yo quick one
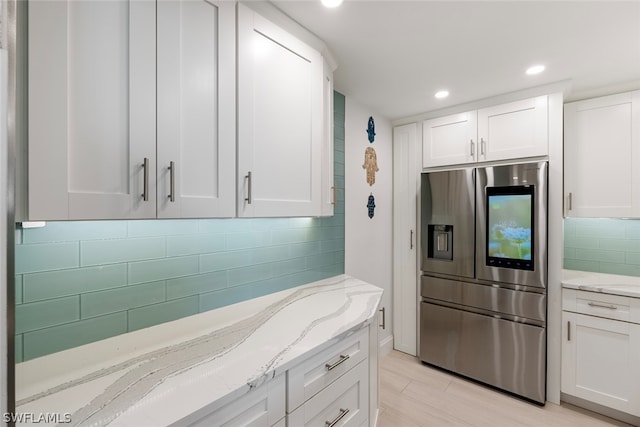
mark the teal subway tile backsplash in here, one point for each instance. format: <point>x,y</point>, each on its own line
<point>602,245</point>
<point>196,285</point>
<point>95,304</point>
<point>111,251</point>
<point>165,312</point>
<point>69,231</point>
<point>48,256</point>
<point>151,228</point>
<point>37,315</point>
<point>82,281</point>
<point>52,339</point>
<point>195,244</point>
<point>18,289</point>
<point>165,268</point>
<point>212,300</point>
<point>60,283</point>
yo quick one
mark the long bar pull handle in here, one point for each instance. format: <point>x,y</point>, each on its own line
<point>482,145</point>
<point>172,181</point>
<point>472,145</point>
<point>337,419</point>
<point>249,198</point>
<point>411,240</point>
<point>335,196</point>
<point>145,185</point>
<point>568,331</point>
<point>384,322</point>
<point>343,359</point>
<point>609,306</point>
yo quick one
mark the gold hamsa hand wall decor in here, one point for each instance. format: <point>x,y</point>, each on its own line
<point>370,165</point>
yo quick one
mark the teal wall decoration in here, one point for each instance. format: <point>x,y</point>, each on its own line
<point>371,129</point>
<point>371,205</point>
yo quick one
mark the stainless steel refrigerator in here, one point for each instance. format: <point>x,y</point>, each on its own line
<point>484,275</point>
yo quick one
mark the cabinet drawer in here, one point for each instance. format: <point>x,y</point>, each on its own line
<point>262,407</point>
<point>314,374</point>
<point>343,403</point>
<point>602,305</point>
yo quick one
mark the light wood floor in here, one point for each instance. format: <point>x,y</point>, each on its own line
<point>413,394</point>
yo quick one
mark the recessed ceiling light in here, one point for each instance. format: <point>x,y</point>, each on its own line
<point>536,69</point>
<point>331,3</point>
<point>442,94</point>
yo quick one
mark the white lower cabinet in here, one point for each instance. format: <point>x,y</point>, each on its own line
<point>308,378</point>
<point>342,403</point>
<point>332,387</point>
<point>601,349</point>
<point>262,407</point>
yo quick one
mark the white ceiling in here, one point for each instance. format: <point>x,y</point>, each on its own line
<point>394,55</point>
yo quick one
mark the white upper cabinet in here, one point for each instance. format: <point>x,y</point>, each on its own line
<point>280,121</point>
<point>95,105</point>
<point>450,140</point>
<point>196,109</point>
<point>602,156</point>
<point>507,131</point>
<point>514,130</point>
<point>92,99</point>
<point>329,190</point>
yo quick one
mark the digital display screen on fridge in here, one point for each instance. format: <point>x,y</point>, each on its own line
<point>510,227</point>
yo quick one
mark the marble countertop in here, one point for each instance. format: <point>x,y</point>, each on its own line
<point>159,375</point>
<point>599,282</point>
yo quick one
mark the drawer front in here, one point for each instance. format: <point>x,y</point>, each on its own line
<point>262,407</point>
<point>603,305</point>
<point>311,376</point>
<point>343,403</point>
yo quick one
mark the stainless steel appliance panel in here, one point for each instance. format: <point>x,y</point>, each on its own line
<point>527,307</point>
<point>507,355</point>
<point>448,228</point>
<point>512,175</point>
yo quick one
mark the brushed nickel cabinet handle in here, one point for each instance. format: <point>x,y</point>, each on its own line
<point>411,240</point>
<point>172,181</point>
<point>568,331</point>
<point>473,151</point>
<point>145,184</point>
<point>335,196</point>
<point>570,201</point>
<point>482,145</point>
<point>384,322</point>
<point>343,359</point>
<point>249,198</point>
<point>337,419</point>
<point>609,306</point>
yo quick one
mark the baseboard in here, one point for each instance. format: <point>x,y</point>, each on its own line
<point>386,346</point>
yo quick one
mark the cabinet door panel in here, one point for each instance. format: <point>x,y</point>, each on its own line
<point>280,120</point>
<point>602,145</point>
<point>195,88</point>
<point>514,130</point>
<point>91,109</point>
<point>599,361</point>
<point>450,140</point>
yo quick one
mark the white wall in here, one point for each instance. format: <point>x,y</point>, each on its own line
<point>368,242</point>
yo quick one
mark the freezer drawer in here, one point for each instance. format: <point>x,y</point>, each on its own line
<point>501,353</point>
<point>527,307</point>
